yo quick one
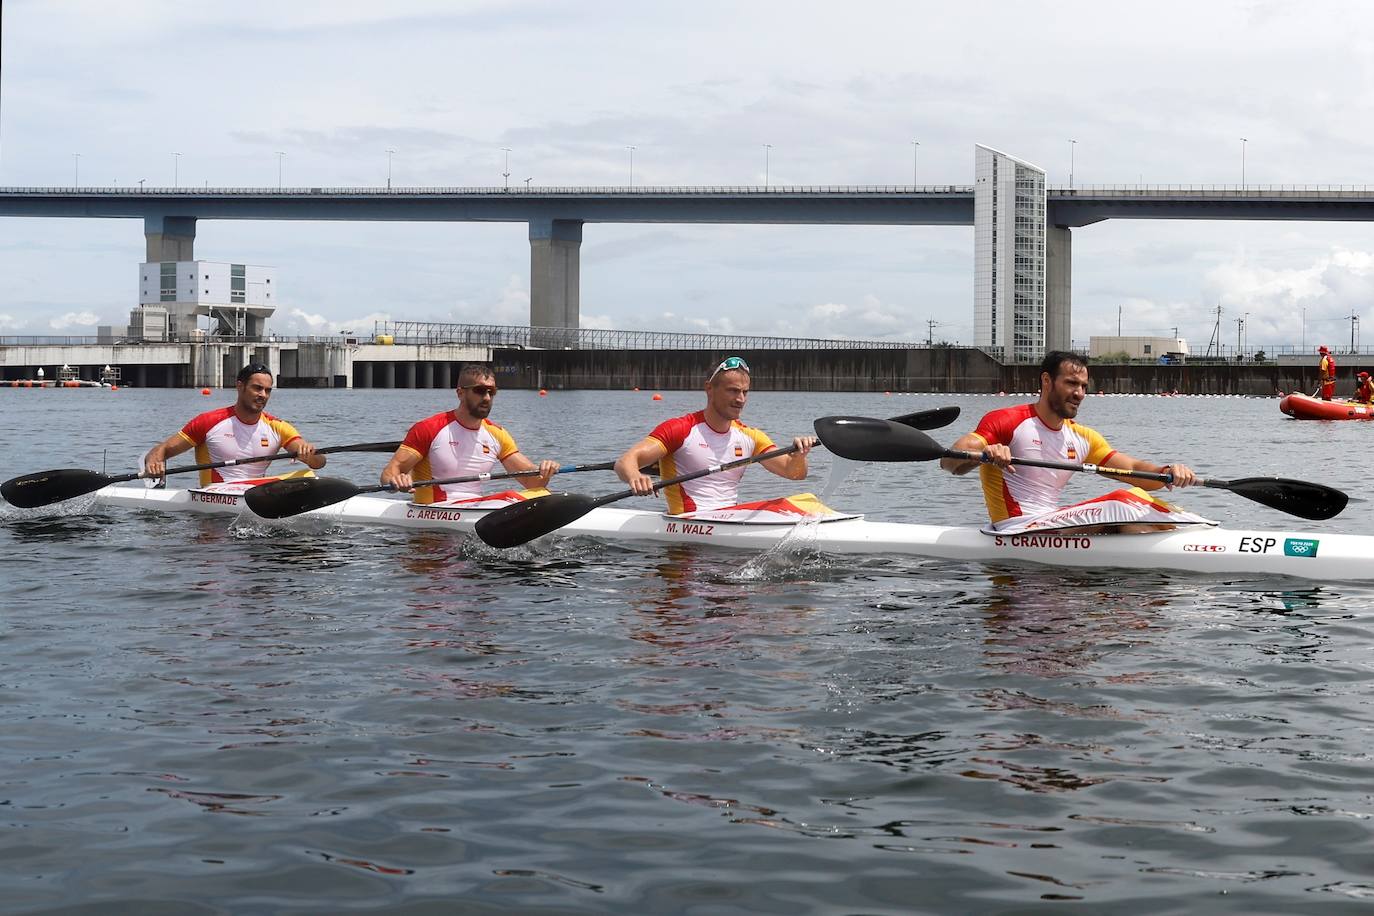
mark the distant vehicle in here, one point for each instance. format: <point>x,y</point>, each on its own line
<point>1172,359</point>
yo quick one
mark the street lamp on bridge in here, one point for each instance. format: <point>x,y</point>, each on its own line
<point>1243,141</point>
<point>915,146</point>
<point>1072,145</point>
<point>632,165</point>
<point>280,156</point>
<point>389,153</point>
<point>766,148</point>
<point>76,170</point>
<point>506,173</point>
<point>176,170</point>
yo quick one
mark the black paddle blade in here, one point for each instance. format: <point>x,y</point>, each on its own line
<point>294,495</point>
<point>522,522</point>
<point>45,487</point>
<point>1296,497</point>
<point>869,439</point>
<point>935,418</point>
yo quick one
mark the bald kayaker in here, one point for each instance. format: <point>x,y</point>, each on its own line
<point>1024,497</point>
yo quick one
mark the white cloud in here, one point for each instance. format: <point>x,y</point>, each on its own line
<point>72,320</point>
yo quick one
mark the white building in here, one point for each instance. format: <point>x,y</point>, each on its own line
<point>239,297</point>
<point>1009,296</point>
<point>1155,348</point>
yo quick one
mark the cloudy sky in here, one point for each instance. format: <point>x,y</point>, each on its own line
<point>1159,93</point>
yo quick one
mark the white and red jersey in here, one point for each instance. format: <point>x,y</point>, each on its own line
<point>447,448</point>
<point>219,435</point>
<point>1031,491</point>
<point>694,446</point>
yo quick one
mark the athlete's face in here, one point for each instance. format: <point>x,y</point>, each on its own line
<point>1066,391</point>
<point>727,393</point>
<point>476,395</point>
<point>255,392</point>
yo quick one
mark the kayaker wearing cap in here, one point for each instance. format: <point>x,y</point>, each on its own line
<point>1327,370</point>
<point>711,436</point>
<point>1364,392</point>
<point>1028,497</point>
<point>245,430</point>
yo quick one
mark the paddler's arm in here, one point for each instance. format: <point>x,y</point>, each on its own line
<point>155,462</point>
<point>516,461</point>
<point>792,466</point>
<point>397,470</point>
<point>997,453</point>
<point>305,453</point>
<point>1183,475</point>
<point>641,455</point>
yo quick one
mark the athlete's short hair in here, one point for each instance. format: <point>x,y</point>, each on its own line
<point>474,370</point>
<point>1055,359</point>
<point>252,369</point>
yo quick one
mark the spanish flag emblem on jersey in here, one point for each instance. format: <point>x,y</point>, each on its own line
<point>486,449</point>
<point>739,451</point>
<point>1073,453</point>
<point>263,442</point>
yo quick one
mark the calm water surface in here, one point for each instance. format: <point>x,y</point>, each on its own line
<point>201,716</point>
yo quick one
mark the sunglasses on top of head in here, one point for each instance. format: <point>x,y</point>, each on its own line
<point>729,364</point>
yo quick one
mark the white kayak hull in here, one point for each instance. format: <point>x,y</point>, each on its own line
<point>1200,549</point>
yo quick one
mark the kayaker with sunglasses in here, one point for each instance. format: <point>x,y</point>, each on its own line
<point>709,437</point>
<point>459,443</point>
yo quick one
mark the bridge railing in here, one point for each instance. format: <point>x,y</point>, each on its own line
<point>498,191</point>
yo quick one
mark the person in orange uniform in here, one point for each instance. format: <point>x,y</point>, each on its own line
<point>245,430</point>
<point>1327,370</point>
<point>1047,430</point>
<point>461,443</point>
<point>712,436</point>
<point>1364,392</point>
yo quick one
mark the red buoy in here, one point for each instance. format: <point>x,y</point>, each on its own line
<point>205,391</point>
<point>657,397</point>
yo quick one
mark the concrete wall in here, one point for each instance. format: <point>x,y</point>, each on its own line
<point>935,369</point>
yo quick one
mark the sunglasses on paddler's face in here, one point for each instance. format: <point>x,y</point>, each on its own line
<point>480,390</point>
<point>728,364</point>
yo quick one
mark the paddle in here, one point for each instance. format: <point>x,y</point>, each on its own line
<point>524,521</point>
<point>934,418</point>
<point>868,439</point>
<point>45,487</point>
<point>285,498</point>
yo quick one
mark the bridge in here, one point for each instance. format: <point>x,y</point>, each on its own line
<point>556,216</point>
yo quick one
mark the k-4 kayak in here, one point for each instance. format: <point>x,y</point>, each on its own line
<point>1317,556</point>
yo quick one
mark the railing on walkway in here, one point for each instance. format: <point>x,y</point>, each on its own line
<point>495,335</point>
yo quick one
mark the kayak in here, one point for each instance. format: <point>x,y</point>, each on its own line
<point>1200,549</point>
<point>1303,407</point>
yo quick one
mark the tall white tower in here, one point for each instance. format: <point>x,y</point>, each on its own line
<point>1009,256</point>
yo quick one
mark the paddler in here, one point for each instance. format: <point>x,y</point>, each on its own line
<point>1025,497</point>
<point>711,436</point>
<point>460,443</point>
<point>245,430</point>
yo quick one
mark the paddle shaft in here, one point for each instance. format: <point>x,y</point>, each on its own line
<point>474,478</point>
<point>358,447</point>
<point>1089,468</point>
<point>683,478</point>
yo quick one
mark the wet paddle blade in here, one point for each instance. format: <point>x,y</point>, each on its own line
<point>522,522</point>
<point>46,487</point>
<point>285,498</point>
<point>870,439</point>
<point>935,418</point>
<point>1296,497</point>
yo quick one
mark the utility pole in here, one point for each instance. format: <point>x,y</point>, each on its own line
<point>931,324</point>
<point>1354,330</point>
<point>506,173</point>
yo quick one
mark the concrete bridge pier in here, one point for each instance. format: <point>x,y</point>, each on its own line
<point>555,274</point>
<point>170,238</point>
<point>1058,287</point>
